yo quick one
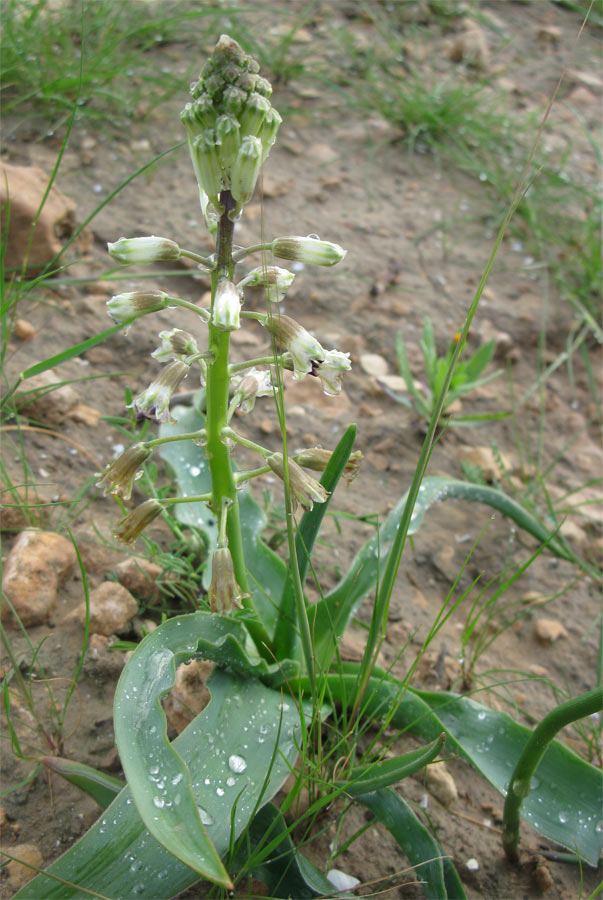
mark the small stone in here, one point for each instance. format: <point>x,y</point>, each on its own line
<point>111,608</point>
<point>588,79</point>
<point>24,330</point>
<point>542,876</point>
<point>139,576</point>
<point>441,783</point>
<point>583,98</point>
<point>20,873</point>
<point>37,566</point>
<point>275,185</point>
<point>100,660</point>
<point>22,507</point>
<point>352,646</point>
<point>491,465</point>
<point>341,881</point>
<point>85,415</point>
<point>38,399</point>
<point>503,342</point>
<point>534,598</point>
<point>189,695</point>
<point>373,364</point>
<point>394,383</point>
<point>472,864</point>
<point>471,47</point>
<point>549,34</point>
<point>550,630</point>
<point>538,671</point>
<point>321,153</point>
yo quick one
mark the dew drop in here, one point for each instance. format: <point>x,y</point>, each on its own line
<point>159,802</point>
<point>177,778</point>
<point>237,763</point>
<point>205,817</point>
<point>138,888</point>
<point>220,792</point>
<point>136,865</point>
<point>230,781</point>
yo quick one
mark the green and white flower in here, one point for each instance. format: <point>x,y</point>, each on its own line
<point>144,249</point>
<point>331,369</point>
<point>154,402</point>
<point>227,306</point>
<point>175,344</point>
<point>308,250</point>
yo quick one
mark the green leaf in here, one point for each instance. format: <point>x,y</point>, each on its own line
<point>191,471</point>
<point>330,616</point>
<point>284,870</point>
<point>373,777</point>
<point>435,872</point>
<point>309,526</point>
<point>102,787</point>
<point>564,804</point>
<point>119,858</point>
<point>476,364</point>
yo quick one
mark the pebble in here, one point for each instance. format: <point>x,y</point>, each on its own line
<point>550,630</point>
<point>85,415</point>
<point>24,330</point>
<point>341,881</point>
<point>394,383</point>
<point>18,511</point>
<point>50,406</point>
<point>276,185</point>
<point>20,873</point>
<point>139,576</point>
<point>321,153</point>
<point>534,598</point>
<point>373,364</point>
<point>441,783</point>
<point>472,864</point>
<point>111,608</point>
<point>491,465</point>
<point>471,47</point>
<point>189,694</point>
<point>37,566</point>
<point>538,671</point>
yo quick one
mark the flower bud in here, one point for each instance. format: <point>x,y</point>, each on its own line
<point>246,169</point>
<point>305,351</point>
<point>119,477</point>
<point>304,489</point>
<point>144,250</point>
<point>132,525</point>
<point>308,250</point>
<point>206,163</point>
<point>122,307</point>
<point>154,402</point>
<point>175,344</point>
<point>268,132</point>
<point>228,140</point>
<point>226,306</point>
<point>254,383</point>
<point>275,280</point>
<point>317,459</point>
<point>331,369</point>
<point>252,117</point>
<point>224,592</point>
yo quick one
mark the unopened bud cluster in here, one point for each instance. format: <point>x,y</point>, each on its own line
<point>230,123</point>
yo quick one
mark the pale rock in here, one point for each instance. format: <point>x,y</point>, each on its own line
<point>37,566</point>
<point>503,342</point>
<point>588,79</point>
<point>4,823</point>
<point>102,661</point>
<point>583,99</point>
<point>394,383</point>
<point>139,576</point>
<point>85,415</point>
<point>57,222</point>
<point>276,185</point>
<point>441,783</point>
<point>189,696</point>
<point>550,630</point>
<point>22,507</point>
<point>373,364</point>
<point>492,465</point>
<point>549,34</point>
<point>24,330</point>
<point>111,608</point>
<point>19,873</point>
<point>471,47</point>
<point>341,881</point>
<point>352,645</point>
<point>534,598</point>
<point>308,392</point>
<point>572,532</point>
<point>538,671</point>
<point>46,404</point>
<point>321,153</point>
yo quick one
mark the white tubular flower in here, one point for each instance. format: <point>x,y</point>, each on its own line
<point>227,306</point>
<point>144,250</point>
<point>304,489</point>
<point>246,169</point>
<point>308,250</point>
<point>273,279</point>
<point>305,351</point>
<point>175,344</point>
<point>119,477</point>
<point>224,591</point>
<point>317,459</point>
<point>129,528</point>
<point>154,402</point>
<point>331,369</point>
<point>136,303</point>
<point>254,383</point>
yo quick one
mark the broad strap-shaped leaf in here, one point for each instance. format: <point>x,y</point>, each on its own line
<point>565,801</point>
<point>271,856</point>
<point>239,751</point>
<point>438,877</point>
<point>189,464</point>
<point>286,642</point>
<point>381,774</point>
<point>330,616</point>
<point>102,787</point>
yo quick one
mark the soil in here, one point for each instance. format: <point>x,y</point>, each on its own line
<point>418,235</point>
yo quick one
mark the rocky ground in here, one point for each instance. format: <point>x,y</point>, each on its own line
<point>418,234</point>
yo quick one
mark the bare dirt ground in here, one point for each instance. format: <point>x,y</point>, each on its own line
<point>418,235</point>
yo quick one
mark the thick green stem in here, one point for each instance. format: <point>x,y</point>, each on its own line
<point>218,454</point>
<point>519,786</point>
